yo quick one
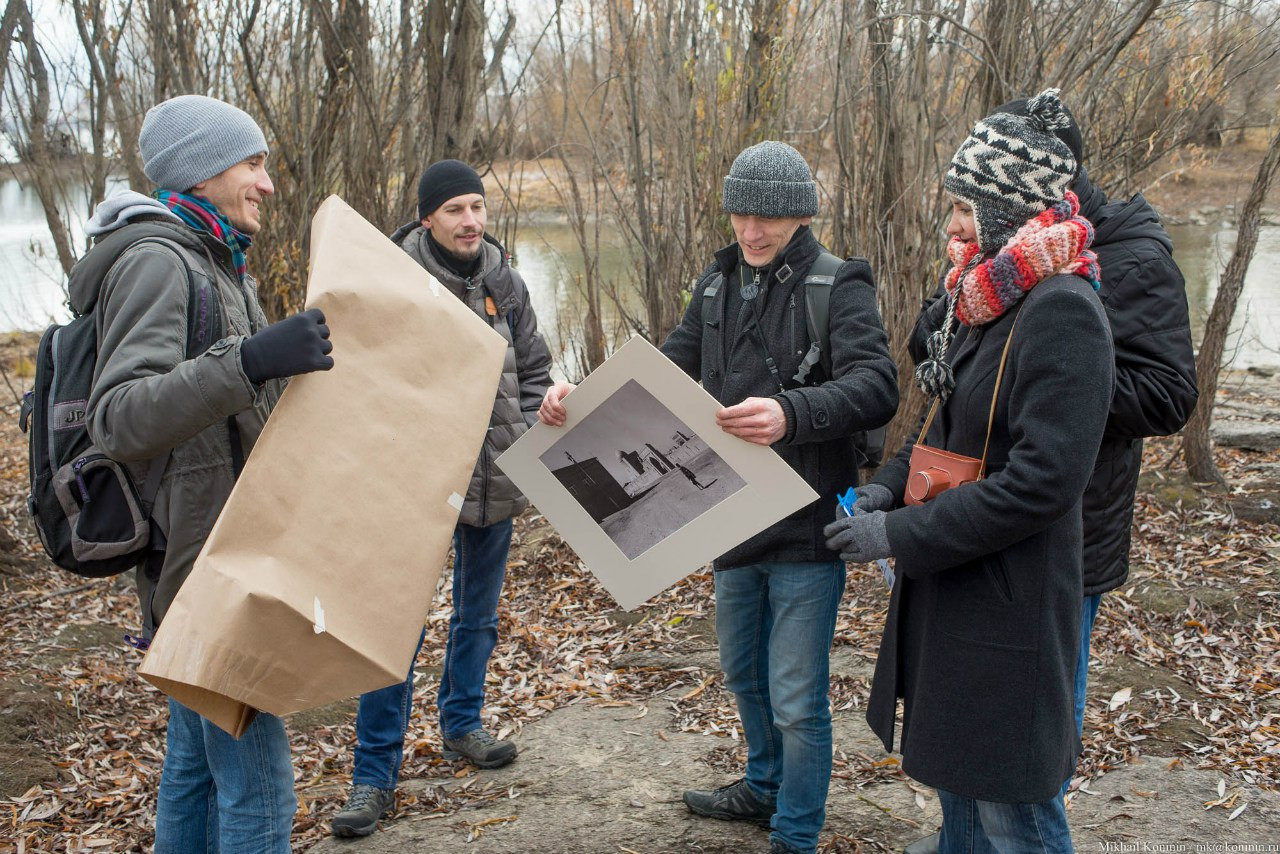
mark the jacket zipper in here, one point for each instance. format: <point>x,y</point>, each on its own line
<point>791,325</point>
<point>484,446</point>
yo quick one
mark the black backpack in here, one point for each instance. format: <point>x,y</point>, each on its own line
<point>92,518</point>
<point>869,444</point>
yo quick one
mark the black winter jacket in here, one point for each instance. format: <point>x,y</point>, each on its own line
<point>726,356</point>
<point>1145,298</point>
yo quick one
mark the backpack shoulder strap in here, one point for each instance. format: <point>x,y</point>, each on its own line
<point>204,312</point>
<point>817,313</point>
<point>204,308</point>
<point>709,293</point>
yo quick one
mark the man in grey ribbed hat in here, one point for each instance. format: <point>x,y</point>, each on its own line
<point>746,338</point>
<point>186,387</point>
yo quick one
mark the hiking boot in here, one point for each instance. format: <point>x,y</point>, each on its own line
<point>734,802</point>
<point>360,816</point>
<point>778,847</point>
<point>925,845</point>
<point>480,749</point>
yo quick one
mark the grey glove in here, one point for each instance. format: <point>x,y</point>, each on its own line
<point>859,539</point>
<point>872,496</point>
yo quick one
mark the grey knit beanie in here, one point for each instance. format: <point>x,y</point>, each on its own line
<point>770,179</point>
<point>1013,167</point>
<point>191,138</point>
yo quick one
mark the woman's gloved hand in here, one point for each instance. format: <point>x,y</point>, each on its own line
<point>873,496</point>
<point>860,538</point>
<point>296,345</point>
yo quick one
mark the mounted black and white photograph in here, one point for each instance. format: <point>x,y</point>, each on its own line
<point>639,471</point>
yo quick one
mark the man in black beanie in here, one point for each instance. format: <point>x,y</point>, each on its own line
<point>1155,392</point>
<point>448,240</point>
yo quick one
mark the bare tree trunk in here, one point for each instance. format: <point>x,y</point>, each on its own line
<point>1005,26</point>
<point>44,172</point>
<point>455,71</point>
<point>762,95</point>
<point>8,24</point>
<point>593,324</point>
<point>1197,446</point>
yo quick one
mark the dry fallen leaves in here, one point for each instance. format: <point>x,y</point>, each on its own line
<point>1216,704</point>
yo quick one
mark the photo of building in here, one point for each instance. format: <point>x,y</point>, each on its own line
<point>638,470</point>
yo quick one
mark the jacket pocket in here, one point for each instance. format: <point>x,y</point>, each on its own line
<point>999,576</point>
<point>974,603</point>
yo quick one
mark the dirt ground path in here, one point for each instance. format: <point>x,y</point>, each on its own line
<point>593,779</point>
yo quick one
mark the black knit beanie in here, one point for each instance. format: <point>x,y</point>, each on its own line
<point>442,181</point>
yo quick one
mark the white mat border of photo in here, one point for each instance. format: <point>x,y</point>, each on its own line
<point>773,489</point>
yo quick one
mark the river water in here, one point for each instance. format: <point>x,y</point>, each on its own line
<point>546,254</point>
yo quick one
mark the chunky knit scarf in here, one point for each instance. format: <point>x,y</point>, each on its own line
<point>200,214</point>
<point>979,291</point>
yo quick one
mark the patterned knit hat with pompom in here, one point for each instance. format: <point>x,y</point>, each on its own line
<point>1012,167</point>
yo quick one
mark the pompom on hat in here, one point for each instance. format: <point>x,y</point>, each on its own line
<point>1012,168</point>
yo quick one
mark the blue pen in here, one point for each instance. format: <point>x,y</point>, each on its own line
<point>847,503</point>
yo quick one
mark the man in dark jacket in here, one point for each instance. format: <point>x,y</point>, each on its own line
<point>777,593</point>
<point>197,417</point>
<point>1146,303</point>
<point>448,240</point>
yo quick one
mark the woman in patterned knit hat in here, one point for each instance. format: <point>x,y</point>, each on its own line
<point>983,625</point>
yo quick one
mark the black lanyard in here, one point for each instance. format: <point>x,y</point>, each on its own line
<point>755,311</point>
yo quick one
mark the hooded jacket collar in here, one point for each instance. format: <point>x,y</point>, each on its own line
<point>1117,221</point>
<point>91,270</point>
<point>117,209</point>
<point>1114,221</point>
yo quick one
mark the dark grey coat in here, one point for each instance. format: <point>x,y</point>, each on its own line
<point>149,399</point>
<point>526,370</point>
<point>821,415</point>
<point>984,621</point>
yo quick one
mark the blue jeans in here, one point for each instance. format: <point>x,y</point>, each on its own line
<point>1088,614</point>
<point>776,622</point>
<point>220,795</point>
<point>971,826</point>
<point>479,566</point>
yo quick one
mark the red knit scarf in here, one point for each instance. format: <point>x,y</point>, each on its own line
<point>1054,242</point>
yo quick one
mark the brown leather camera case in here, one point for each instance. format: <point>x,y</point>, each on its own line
<point>934,470</point>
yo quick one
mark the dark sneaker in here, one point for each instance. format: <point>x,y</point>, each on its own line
<point>778,847</point>
<point>925,845</point>
<point>734,802</point>
<point>360,816</point>
<point>480,749</point>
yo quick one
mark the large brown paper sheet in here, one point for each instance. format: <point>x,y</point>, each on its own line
<point>316,579</point>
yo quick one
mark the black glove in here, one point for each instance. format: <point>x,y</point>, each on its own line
<point>295,345</point>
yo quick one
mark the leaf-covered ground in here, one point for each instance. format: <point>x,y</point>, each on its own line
<point>1186,657</point>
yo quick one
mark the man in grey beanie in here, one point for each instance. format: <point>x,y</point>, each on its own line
<point>187,372</point>
<point>745,337</point>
